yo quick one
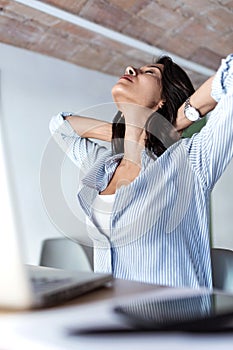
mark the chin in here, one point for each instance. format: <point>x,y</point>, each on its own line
<point>115,92</point>
<point>119,92</point>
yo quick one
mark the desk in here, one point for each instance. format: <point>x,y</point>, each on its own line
<point>118,288</point>
<point>49,328</point>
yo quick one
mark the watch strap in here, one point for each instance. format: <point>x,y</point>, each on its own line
<point>66,114</point>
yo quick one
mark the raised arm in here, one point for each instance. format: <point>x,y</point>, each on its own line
<point>211,150</point>
<point>90,127</point>
<point>201,100</point>
<point>68,131</point>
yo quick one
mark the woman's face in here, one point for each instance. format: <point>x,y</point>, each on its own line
<point>141,86</point>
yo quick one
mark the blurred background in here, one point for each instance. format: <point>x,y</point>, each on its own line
<point>66,55</point>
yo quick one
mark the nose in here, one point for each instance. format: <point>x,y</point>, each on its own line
<point>130,70</point>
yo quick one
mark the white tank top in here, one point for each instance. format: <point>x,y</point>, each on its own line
<point>102,210</point>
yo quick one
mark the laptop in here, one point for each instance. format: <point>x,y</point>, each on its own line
<point>23,286</point>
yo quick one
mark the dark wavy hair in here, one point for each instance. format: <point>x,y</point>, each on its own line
<point>176,88</point>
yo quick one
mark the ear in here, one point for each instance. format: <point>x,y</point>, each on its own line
<point>161,103</point>
<point>158,105</point>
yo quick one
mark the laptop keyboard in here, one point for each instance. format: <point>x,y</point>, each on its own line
<point>41,284</point>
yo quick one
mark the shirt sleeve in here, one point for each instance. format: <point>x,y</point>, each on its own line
<point>211,149</point>
<point>223,81</point>
<point>82,151</point>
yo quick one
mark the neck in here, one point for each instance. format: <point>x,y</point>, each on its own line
<point>134,143</point>
<point>135,120</point>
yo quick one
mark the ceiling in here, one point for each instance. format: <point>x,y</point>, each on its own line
<point>199,31</point>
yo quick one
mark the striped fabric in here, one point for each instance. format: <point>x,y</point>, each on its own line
<point>159,227</point>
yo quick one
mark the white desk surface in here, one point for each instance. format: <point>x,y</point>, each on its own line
<point>48,329</point>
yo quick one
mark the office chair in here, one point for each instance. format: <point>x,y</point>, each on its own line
<point>222,269</point>
<point>66,254</point>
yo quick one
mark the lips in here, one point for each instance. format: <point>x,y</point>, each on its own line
<point>127,77</point>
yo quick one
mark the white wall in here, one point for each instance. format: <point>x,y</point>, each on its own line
<point>222,210</point>
<point>33,88</point>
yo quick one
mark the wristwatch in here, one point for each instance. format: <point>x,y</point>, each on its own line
<point>190,112</point>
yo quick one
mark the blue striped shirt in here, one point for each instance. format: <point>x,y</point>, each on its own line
<point>159,226</point>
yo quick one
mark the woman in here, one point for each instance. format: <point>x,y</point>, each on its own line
<point>147,199</point>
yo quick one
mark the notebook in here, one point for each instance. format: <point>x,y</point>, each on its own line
<point>23,286</point>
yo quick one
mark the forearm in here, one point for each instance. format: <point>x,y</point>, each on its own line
<point>201,100</point>
<point>91,128</point>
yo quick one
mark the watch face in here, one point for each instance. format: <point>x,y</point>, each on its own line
<point>192,114</point>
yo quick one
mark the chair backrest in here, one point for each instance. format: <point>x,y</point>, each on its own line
<point>66,254</point>
<point>222,269</point>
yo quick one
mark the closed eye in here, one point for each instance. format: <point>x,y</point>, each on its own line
<point>153,70</point>
<point>150,72</point>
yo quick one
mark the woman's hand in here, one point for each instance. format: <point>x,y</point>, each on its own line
<point>201,100</point>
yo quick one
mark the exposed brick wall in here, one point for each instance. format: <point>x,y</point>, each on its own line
<point>200,30</point>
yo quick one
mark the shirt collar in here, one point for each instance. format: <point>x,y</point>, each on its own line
<point>101,173</point>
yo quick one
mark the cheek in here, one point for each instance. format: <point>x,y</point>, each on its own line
<point>157,96</point>
<point>151,98</point>
<point>152,92</point>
